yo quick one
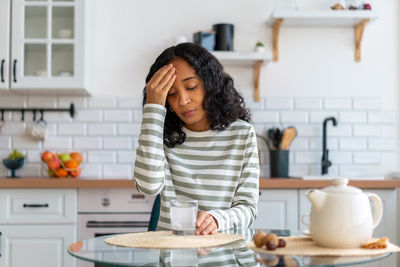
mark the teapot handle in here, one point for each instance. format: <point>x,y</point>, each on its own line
<point>378,208</point>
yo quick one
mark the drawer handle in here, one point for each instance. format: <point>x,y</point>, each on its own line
<point>15,70</point>
<point>121,224</point>
<point>2,70</point>
<point>36,205</point>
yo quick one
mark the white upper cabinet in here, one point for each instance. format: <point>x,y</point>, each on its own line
<point>4,44</point>
<point>48,46</point>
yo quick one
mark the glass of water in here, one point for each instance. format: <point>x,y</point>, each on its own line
<point>183,214</point>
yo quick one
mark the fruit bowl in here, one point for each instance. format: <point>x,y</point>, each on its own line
<point>13,164</point>
<point>62,165</point>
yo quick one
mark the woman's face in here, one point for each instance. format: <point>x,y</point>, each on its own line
<point>186,97</point>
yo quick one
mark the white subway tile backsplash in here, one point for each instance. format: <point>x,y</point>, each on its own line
<point>353,144</point>
<point>102,129</point>
<point>42,102</point>
<point>381,117</point>
<point>319,116</point>
<point>106,130</point>
<point>279,103</point>
<point>129,129</point>
<point>25,142</point>
<point>265,116</point>
<point>337,103</point>
<point>383,144</point>
<point>117,115</point>
<point>352,117</point>
<point>309,103</point>
<point>127,156</point>
<point>102,102</point>
<point>117,143</point>
<point>87,115</point>
<point>367,130</point>
<point>101,156</point>
<point>79,102</point>
<point>367,158</point>
<point>29,170</point>
<point>370,103</point>
<point>5,142</point>
<point>57,143</point>
<point>130,102</point>
<point>71,129</point>
<point>117,171</point>
<point>14,128</point>
<point>87,142</point>
<point>294,116</point>
<point>13,101</point>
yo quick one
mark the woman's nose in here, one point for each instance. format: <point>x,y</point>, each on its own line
<point>184,99</point>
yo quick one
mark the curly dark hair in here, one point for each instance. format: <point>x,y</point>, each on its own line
<point>222,101</point>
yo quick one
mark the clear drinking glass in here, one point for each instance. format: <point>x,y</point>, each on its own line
<point>183,214</point>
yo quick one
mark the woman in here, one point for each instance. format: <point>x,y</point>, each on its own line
<point>196,141</point>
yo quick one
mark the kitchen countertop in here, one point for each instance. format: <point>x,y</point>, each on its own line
<point>265,183</point>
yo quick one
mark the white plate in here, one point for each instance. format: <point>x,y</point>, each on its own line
<point>306,232</point>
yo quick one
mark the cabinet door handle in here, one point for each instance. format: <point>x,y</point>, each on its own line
<point>0,244</point>
<point>2,70</point>
<point>15,70</point>
<point>36,205</point>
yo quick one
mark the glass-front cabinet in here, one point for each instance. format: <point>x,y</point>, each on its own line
<point>4,44</point>
<point>48,45</point>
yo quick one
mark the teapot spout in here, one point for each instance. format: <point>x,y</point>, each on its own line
<point>317,198</point>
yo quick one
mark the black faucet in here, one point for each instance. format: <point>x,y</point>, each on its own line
<point>325,163</point>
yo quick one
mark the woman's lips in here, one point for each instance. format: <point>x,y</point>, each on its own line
<point>188,113</point>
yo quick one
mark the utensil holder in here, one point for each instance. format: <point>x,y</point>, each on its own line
<point>279,163</point>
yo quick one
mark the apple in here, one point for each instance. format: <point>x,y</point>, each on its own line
<point>53,164</point>
<point>47,156</point>
<point>52,173</point>
<point>75,172</point>
<point>64,157</point>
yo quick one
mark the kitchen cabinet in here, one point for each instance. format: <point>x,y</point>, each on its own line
<point>36,227</point>
<point>321,18</point>
<point>387,226</point>
<point>254,59</point>
<point>48,52</point>
<point>277,209</point>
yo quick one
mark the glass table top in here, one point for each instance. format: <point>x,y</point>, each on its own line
<point>233,254</point>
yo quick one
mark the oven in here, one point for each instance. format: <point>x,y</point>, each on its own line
<point>111,211</point>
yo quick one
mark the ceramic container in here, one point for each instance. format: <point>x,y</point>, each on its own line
<point>341,215</point>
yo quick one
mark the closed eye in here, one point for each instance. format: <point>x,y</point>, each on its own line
<point>191,88</point>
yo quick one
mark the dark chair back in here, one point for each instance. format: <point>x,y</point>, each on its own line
<point>155,214</point>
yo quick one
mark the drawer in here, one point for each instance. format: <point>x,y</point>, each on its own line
<point>38,206</point>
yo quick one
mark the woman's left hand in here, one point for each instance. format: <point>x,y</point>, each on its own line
<point>205,224</point>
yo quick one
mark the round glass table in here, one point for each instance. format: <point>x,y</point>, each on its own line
<point>234,254</point>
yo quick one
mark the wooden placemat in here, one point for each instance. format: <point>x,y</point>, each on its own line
<point>167,240</point>
<point>305,246</point>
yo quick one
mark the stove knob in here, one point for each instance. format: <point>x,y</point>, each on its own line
<point>105,202</point>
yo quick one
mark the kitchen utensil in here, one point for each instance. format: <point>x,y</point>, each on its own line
<point>341,215</point>
<point>288,135</point>
<point>278,137</point>
<point>271,136</point>
<point>267,141</point>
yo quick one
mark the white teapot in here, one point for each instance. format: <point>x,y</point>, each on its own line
<point>341,215</point>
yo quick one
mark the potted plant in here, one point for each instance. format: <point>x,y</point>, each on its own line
<point>260,47</point>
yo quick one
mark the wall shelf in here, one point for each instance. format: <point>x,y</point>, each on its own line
<point>321,18</point>
<point>252,59</point>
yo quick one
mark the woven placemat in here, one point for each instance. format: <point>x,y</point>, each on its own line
<point>305,246</point>
<point>167,240</point>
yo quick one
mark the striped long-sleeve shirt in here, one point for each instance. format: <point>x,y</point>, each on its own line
<point>219,169</point>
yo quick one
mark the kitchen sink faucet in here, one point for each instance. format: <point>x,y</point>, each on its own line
<point>325,163</point>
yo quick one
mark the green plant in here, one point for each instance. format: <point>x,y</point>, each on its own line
<point>259,44</point>
<point>15,155</point>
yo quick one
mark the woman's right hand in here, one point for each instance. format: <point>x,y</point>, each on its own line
<point>158,86</point>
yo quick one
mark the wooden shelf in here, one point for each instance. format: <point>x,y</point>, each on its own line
<point>322,18</point>
<point>252,59</point>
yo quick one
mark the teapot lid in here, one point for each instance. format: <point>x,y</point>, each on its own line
<point>340,186</point>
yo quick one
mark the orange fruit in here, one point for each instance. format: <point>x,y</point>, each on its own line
<point>53,164</point>
<point>71,164</point>
<point>61,173</point>
<point>76,156</point>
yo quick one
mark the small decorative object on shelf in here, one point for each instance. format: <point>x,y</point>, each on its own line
<point>62,165</point>
<point>14,161</point>
<point>355,4</point>
<point>367,6</point>
<point>260,47</point>
<point>339,5</point>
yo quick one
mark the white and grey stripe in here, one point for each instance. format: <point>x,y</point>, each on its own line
<point>220,169</point>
